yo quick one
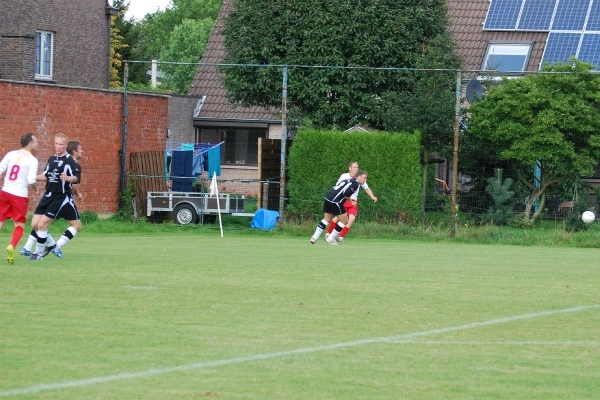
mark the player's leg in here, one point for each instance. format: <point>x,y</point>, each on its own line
<point>327,217</point>
<point>42,234</point>
<point>66,237</point>
<point>331,226</point>
<point>14,207</point>
<point>4,215</point>
<point>352,211</point>
<point>33,237</point>
<point>70,213</point>
<point>342,221</point>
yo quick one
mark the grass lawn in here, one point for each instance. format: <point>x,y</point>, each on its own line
<point>191,315</point>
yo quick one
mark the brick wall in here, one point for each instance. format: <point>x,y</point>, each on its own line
<point>81,41</point>
<point>15,62</point>
<point>94,117</point>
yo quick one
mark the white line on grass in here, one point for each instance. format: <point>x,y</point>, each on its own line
<point>502,343</point>
<point>266,356</point>
<point>140,287</point>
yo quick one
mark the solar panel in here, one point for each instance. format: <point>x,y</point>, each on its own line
<point>590,49</point>
<point>561,47</point>
<point>536,15</point>
<point>570,15</point>
<point>503,14</point>
<point>593,23</point>
<point>564,19</point>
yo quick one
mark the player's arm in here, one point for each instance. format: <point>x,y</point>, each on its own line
<point>77,192</point>
<point>73,175</point>
<point>42,177</point>
<point>370,193</point>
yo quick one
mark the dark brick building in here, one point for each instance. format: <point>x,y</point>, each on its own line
<point>56,41</point>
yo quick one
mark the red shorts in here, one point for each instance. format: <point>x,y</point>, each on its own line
<point>14,207</point>
<point>351,209</point>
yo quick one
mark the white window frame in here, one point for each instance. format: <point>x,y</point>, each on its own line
<point>503,48</point>
<point>42,56</point>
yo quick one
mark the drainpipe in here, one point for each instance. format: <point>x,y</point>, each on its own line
<point>123,151</point>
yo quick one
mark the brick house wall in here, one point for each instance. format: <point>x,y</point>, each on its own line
<point>92,116</point>
<point>81,40</point>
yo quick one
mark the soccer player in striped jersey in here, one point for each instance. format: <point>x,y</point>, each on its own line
<point>351,205</point>
<point>333,206</point>
<point>21,169</point>
<point>61,173</point>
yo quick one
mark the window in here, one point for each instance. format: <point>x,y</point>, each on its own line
<point>43,55</point>
<point>241,144</point>
<point>507,57</point>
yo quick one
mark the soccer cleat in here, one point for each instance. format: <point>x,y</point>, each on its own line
<point>10,250</point>
<point>340,239</point>
<point>36,257</point>
<point>57,253</point>
<point>313,240</point>
<point>47,250</point>
<point>332,242</point>
<point>25,252</point>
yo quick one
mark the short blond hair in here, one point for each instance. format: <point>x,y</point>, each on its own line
<point>61,135</point>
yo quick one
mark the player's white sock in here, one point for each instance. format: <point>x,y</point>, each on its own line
<point>320,228</point>
<point>336,231</point>
<point>66,237</point>
<point>41,242</point>
<point>31,240</point>
<point>50,241</point>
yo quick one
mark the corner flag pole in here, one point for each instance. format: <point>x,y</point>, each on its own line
<point>214,189</point>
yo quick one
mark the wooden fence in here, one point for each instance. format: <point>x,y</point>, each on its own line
<point>148,172</point>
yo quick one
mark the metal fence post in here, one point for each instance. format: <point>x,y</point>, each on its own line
<point>283,143</point>
<point>455,155</point>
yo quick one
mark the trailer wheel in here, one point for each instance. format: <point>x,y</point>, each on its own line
<point>184,214</point>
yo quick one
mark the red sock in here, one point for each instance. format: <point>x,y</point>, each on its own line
<point>344,231</point>
<point>331,227</point>
<point>16,236</point>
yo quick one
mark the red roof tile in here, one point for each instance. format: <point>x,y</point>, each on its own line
<point>467,17</point>
<point>208,80</point>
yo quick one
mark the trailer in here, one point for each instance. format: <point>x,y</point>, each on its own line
<point>195,207</point>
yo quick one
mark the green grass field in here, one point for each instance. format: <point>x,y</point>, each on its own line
<point>191,315</point>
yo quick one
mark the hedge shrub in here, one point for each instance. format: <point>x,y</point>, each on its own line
<point>392,160</point>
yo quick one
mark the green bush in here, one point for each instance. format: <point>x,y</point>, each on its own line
<point>88,217</point>
<point>317,159</point>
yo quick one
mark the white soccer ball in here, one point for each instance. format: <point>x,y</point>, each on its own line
<point>588,217</point>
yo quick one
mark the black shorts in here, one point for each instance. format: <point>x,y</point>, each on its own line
<point>58,205</point>
<point>336,209</point>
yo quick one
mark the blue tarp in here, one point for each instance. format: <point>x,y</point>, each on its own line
<point>264,219</point>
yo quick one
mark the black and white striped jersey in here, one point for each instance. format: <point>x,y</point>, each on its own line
<point>341,190</point>
<point>56,166</point>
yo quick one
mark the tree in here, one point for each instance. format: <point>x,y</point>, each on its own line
<point>186,44</point>
<point>499,191</point>
<point>346,33</point>
<point>551,119</point>
<point>116,56</point>
<point>129,30</point>
<point>156,28</point>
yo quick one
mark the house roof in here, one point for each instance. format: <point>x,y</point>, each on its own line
<point>467,18</point>
<point>207,81</point>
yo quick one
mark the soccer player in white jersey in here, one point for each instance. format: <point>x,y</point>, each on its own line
<point>21,169</point>
<point>333,206</point>
<point>351,206</point>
